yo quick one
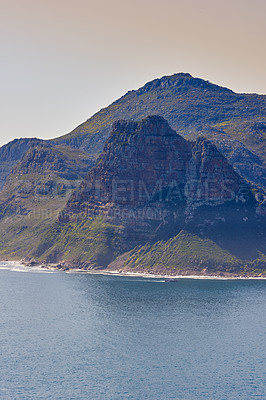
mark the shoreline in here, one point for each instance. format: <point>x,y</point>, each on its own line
<point>162,276</point>
<point>35,267</point>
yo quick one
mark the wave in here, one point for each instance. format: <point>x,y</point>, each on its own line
<point>16,266</point>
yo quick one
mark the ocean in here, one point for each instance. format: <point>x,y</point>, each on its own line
<point>80,336</point>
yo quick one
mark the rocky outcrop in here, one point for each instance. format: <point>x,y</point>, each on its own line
<point>146,162</point>
<point>138,160</point>
<point>66,162</point>
<point>209,176</point>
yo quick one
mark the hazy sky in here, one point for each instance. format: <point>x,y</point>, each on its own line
<point>63,60</point>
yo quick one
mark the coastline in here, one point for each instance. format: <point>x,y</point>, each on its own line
<point>163,276</point>
<point>22,266</point>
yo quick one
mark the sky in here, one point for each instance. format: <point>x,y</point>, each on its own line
<point>63,60</point>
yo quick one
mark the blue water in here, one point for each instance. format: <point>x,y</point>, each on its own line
<point>76,336</point>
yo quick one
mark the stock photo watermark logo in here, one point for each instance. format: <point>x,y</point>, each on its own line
<point>128,198</point>
<point>129,191</point>
<point>39,188</point>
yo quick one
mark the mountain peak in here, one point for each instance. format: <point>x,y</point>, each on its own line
<point>179,81</point>
<point>154,124</point>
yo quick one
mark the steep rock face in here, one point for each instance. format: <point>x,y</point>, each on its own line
<point>14,150</point>
<point>66,162</point>
<point>147,162</point>
<point>209,176</point>
<point>138,160</point>
<point>148,185</point>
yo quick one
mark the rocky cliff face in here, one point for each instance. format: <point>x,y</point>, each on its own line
<point>43,156</point>
<point>209,176</point>
<point>148,185</point>
<point>147,162</point>
<point>138,160</point>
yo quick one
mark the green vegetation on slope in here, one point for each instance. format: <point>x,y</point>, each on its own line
<point>187,252</point>
<point>89,242</point>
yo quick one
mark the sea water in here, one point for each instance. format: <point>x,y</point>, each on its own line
<point>79,336</point>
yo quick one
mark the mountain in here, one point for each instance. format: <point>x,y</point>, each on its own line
<point>195,184</point>
<point>235,123</point>
<point>155,196</point>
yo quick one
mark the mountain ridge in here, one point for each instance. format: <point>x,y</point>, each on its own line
<point>235,122</point>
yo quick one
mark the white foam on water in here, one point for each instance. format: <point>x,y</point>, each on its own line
<point>16,266</point>
<point>20,267</point>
